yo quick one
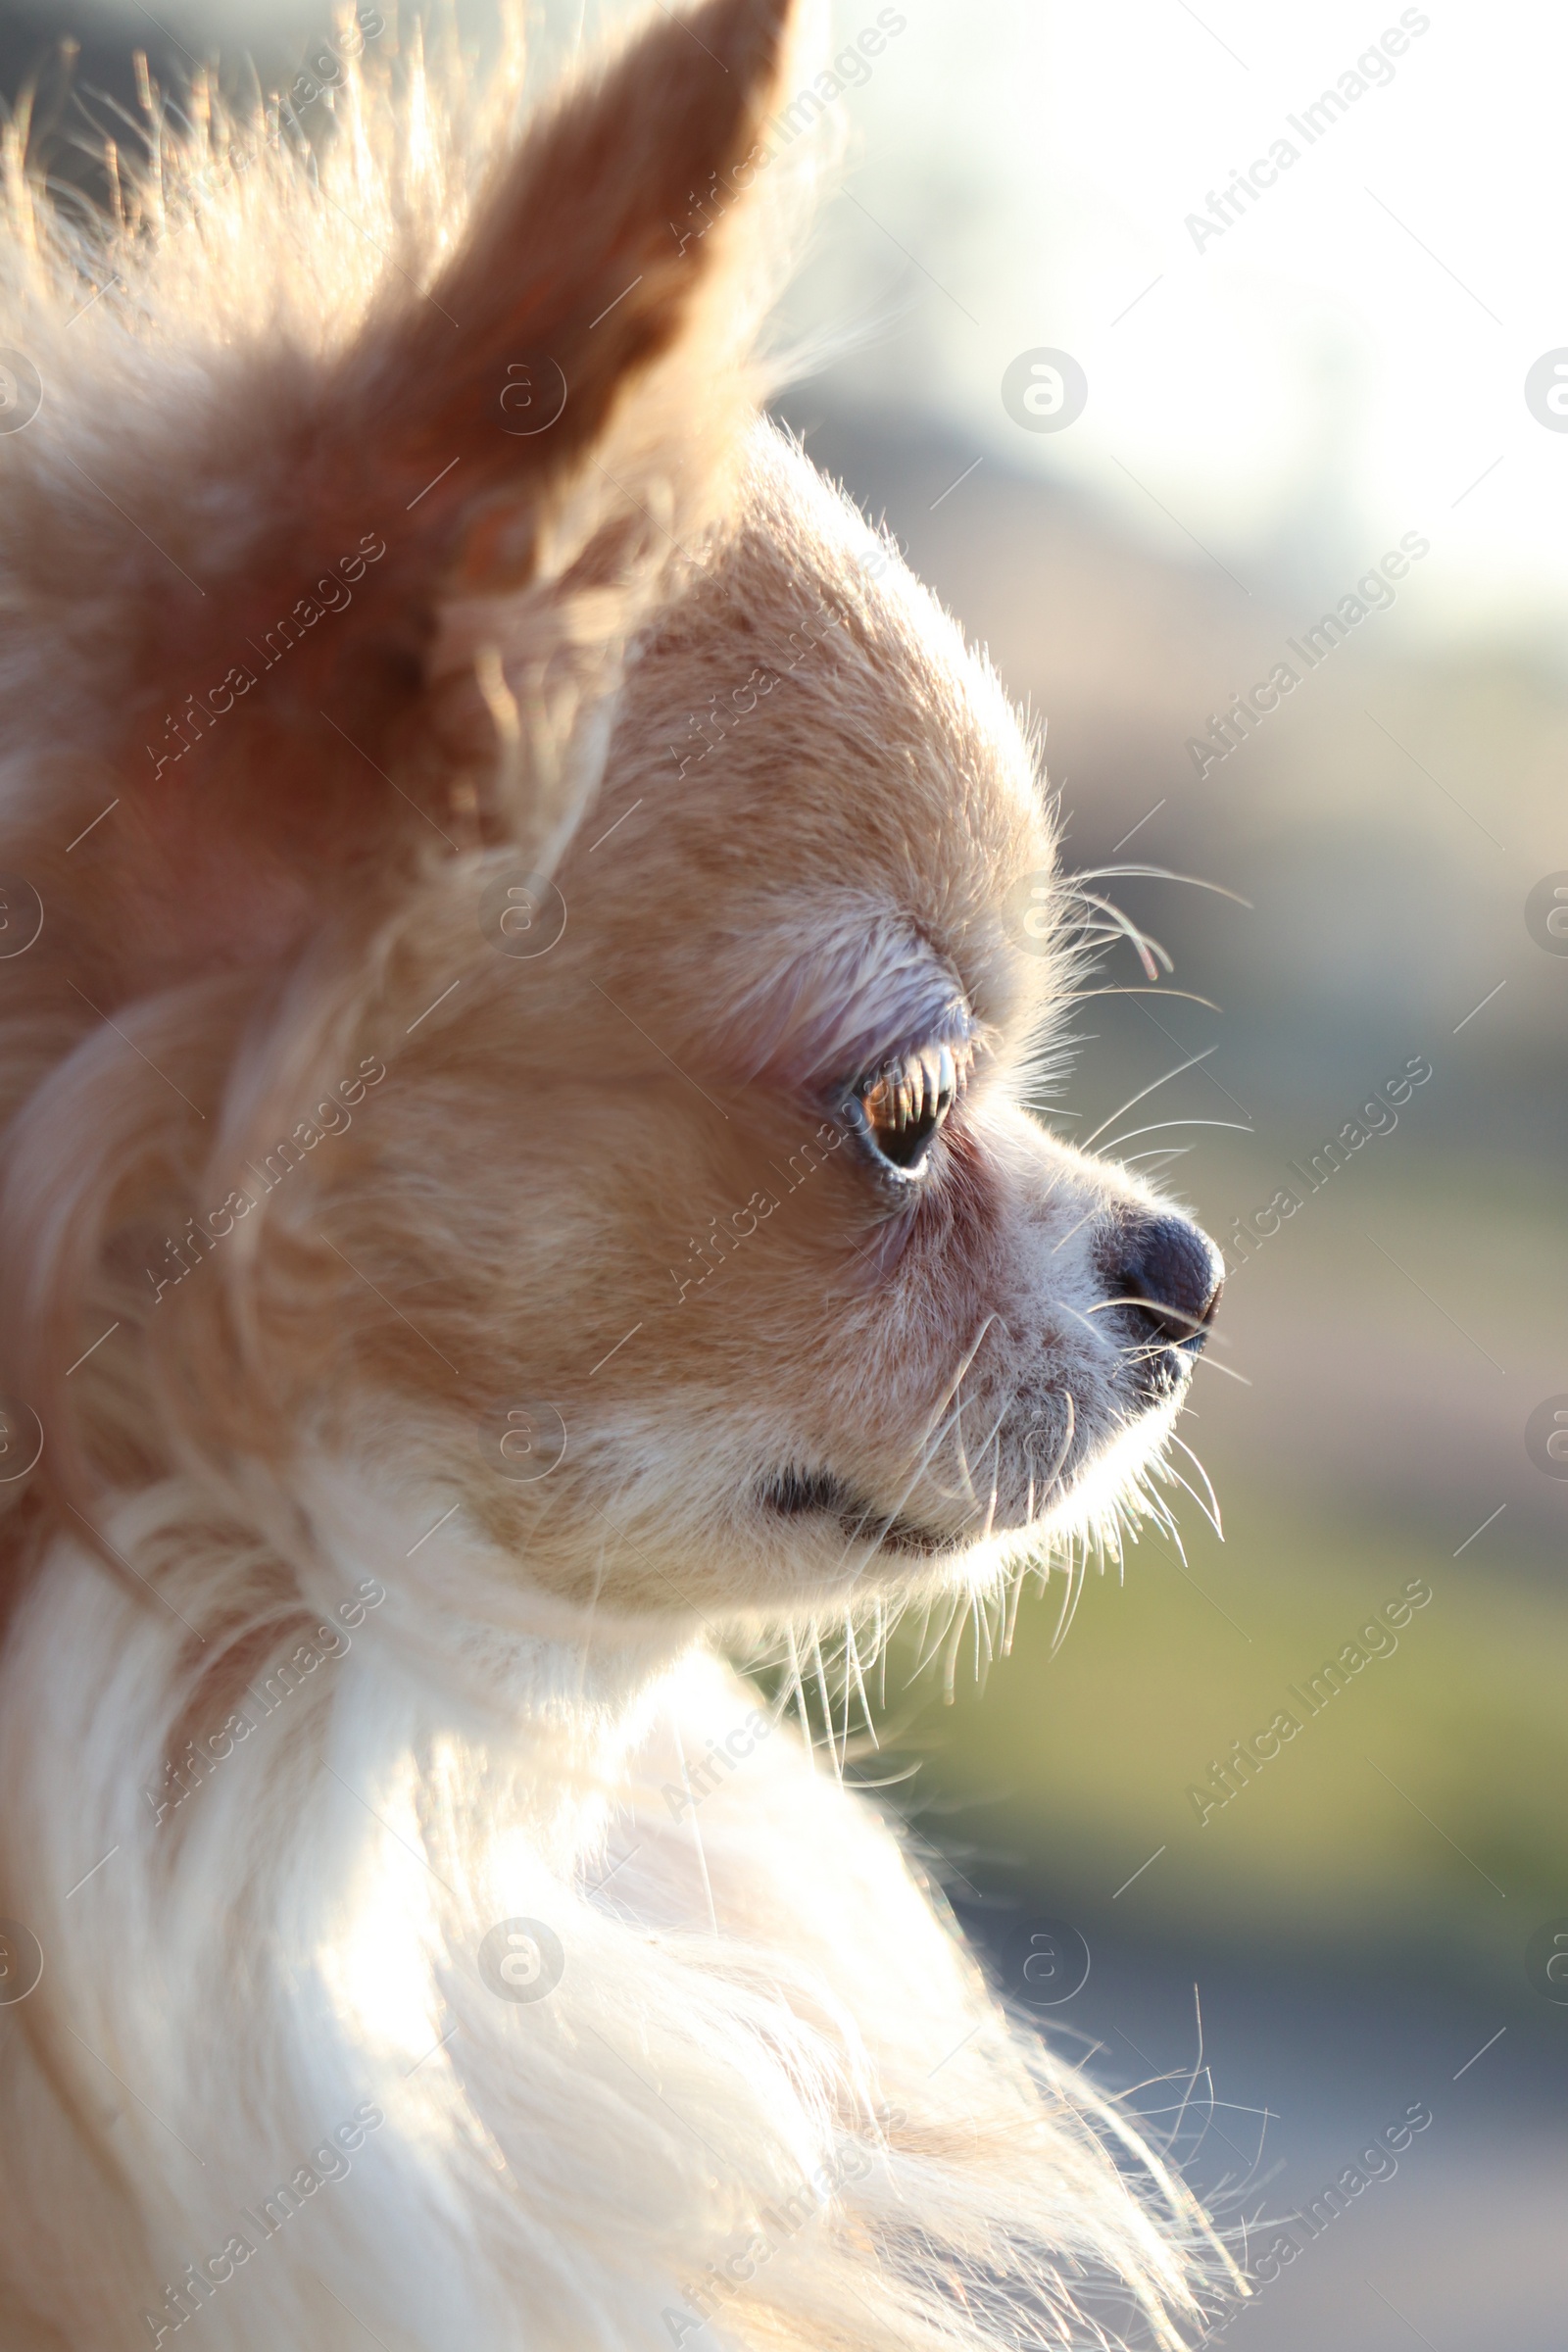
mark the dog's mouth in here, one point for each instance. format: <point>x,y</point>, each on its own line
<point>801,1492</point>
<point>798,1494</point>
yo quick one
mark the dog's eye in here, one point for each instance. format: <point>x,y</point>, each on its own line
<point>900,1106</point>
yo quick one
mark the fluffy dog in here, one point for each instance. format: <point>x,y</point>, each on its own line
<point>526,937</point>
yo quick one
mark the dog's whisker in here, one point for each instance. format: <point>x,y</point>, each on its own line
<point>1102,1336</point>
<point>1191,1064</point>
<point>958,1400</point>
<point>949,1656</point>
<point>1077,1577</point>
<point>1160,1126</point>
<point>796,1689</point>
<point>1160,873</point>
<point>1154,1306</point>
<point>852,1658</point>
<point>1210,1363</point>
<point>1165,1153</point>
<point>1014,1594</point>
<point>965,1480</point>
<point>820,1670</point>
<point>1063,1451</point>
<point>953,1603</point>
<point>1089,1212</point>
<point>1171,995</point>
<point>1213,1511</point>
<point>992,1442</point>
<point>935,1431</point>
<point>695,1826</point>
<point>890,1518</point>
<point>1150,954</point>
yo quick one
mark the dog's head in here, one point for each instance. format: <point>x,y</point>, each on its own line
<point>557,1015</point>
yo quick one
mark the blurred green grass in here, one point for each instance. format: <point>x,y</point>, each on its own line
<point>1423,1806</point>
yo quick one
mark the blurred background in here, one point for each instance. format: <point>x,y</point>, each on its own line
<point>1259,391</point>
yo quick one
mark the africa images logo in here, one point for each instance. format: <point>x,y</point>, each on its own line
<point>1044,390</point>
<point>521,1960</point>
<point>20,391</point>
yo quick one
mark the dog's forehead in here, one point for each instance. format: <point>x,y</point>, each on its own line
<point>843,773</point>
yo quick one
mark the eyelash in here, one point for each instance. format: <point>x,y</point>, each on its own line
<point>898,1107</point>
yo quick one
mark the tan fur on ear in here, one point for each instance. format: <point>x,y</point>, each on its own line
<point>571,255</point>
<point>277,525</point>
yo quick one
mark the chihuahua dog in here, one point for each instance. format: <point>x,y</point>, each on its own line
<point>527,940</point>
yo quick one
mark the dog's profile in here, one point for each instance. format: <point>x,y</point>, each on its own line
<point>526,935</point>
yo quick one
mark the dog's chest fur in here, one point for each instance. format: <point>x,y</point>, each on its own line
<point>742,2050</point>
<point>578,2148</point>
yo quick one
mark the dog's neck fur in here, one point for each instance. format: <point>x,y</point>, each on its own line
<point>457,1604</point>
<point>685,2108</point>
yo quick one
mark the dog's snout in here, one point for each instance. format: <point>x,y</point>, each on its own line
<point>1170,1275</point>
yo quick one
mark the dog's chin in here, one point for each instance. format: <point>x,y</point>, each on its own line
<point>916,1537</point>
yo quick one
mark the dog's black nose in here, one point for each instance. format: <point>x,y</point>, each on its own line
<point>1170,1275</point>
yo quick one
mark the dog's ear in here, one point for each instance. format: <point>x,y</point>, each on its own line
<point>377,590</point>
